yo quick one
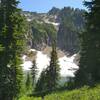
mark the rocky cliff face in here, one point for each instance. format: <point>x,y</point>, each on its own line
<point>71,24</point>
<point>67,40</point>
<point>62,25</point>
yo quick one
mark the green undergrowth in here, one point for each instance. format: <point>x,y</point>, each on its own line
<point>84,93</point>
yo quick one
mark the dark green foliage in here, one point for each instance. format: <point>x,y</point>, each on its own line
<point>11,45</point>
<point>40,86</point>
<point>89,72</point>
<point>41,89</point>
<point>53,70</point>
<point>28,81</point>
<point>34,72</point>
<point>71,24</point>
<point>42,33</point>
<point>49,77</point>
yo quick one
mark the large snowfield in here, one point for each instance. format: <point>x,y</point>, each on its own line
<point>67,65</point>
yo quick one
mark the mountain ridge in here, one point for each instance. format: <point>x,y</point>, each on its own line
<point>63,25</point>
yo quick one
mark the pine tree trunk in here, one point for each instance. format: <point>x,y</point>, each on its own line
<point>42,97</point>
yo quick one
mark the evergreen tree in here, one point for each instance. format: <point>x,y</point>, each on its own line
<point>49,77</point>
<point>11,45</point>
<point>28,81</point>
<point>89,72</point>
<point>34,73</point>
<point>41,89</point>
<point>53,70</point>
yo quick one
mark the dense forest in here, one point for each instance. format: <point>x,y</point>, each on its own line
<point>24,35</point>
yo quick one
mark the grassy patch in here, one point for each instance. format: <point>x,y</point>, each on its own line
<point>84,93</point>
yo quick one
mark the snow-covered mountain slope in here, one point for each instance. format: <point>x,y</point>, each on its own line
<point>53,23</point>
<point>67,65</point>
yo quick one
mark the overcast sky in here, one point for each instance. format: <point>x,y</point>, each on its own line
<point>46,5</point>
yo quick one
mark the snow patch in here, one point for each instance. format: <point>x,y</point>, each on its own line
<point>28,19</point>
<point>67,64</point>
<point>26,64</point>
<point>42,61</point>
<point>53,23</point>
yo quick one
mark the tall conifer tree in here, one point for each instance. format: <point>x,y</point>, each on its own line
<point>53,70</point>
<point>41,89</point>
<point>89,72</point>
<point>28,82</point>
<point>34,71</point>
<point>49,77</point>
<point>11,45</point>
